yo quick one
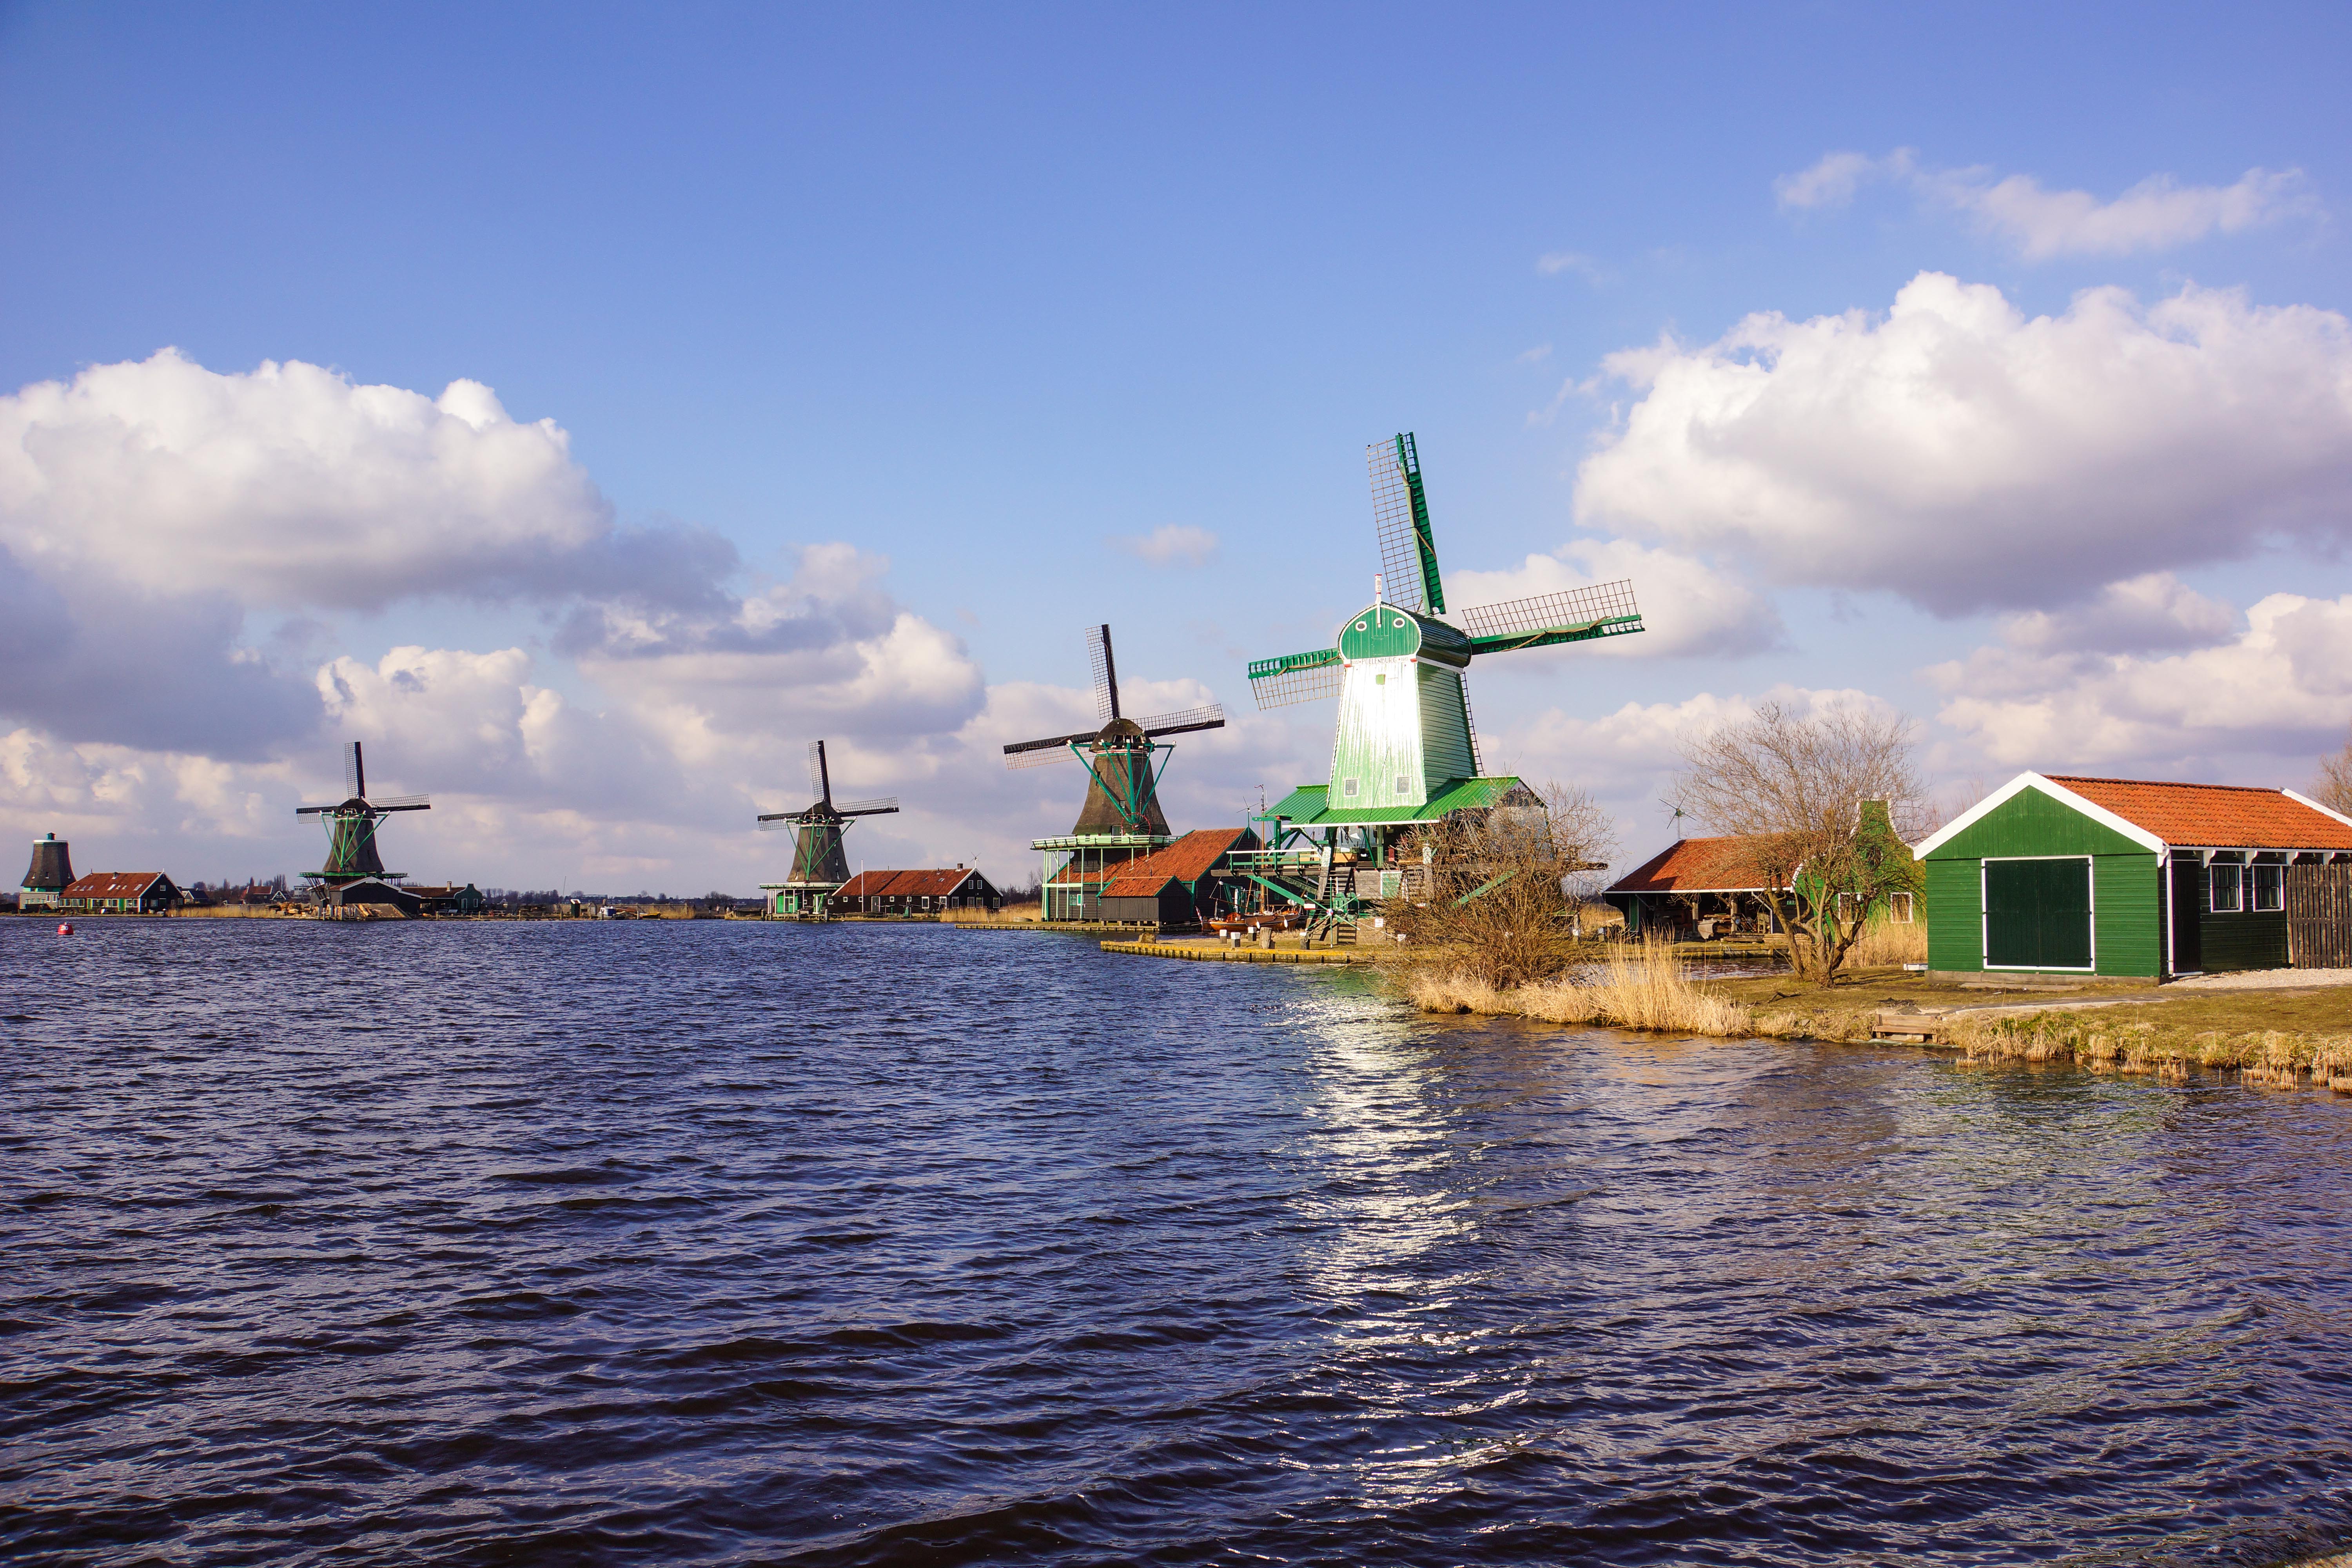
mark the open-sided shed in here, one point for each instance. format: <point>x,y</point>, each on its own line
<point>2068,875</point>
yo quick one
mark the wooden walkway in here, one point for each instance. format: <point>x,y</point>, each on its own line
<point>1218,952</point>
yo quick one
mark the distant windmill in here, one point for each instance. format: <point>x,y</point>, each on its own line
<point>1121,817</point>
<point>1123,787</point>
<point>819,865</point>
<point>351,826</point>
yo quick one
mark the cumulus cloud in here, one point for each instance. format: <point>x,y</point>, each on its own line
<point>149,510</point>
<point>2281,686</point>
<point>1172,544</point>
<point>2157,213</point>
<point>1687,606</point>
<point>2145,615</point>
<point>290,486</point>
<point>1968,456</point>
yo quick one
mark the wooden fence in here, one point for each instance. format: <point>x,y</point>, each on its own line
<point>2319,917</point>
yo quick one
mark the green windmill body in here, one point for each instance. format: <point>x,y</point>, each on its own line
<point>820,863</point>
<point>354,863</point>
<point>1406,749</point>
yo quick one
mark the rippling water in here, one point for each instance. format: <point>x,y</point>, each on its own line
<point>732,1243</point>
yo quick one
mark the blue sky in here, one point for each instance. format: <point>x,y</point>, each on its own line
<point>984,293</point>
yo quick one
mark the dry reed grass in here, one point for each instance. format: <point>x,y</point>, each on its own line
<point>1641,988</point>
<point>2271,1058</point>
<point>1010,915</point>
<point>1882,944</point>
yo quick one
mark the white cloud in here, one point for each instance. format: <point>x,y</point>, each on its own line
<point>1627,757</point>
<point>1968,456</point>
<point>1172,544</point>
<point>1687,606</point>
<point>2280,689</point>
<point>1556,262</point>
<point>2144,614</point>
<point>1832,182</point>
<point>147,510</point>
<point>2157,213</point>
<point>290,486</point>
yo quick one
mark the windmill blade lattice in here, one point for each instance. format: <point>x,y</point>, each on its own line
<point>1542,619</point>
<point>816,770</point>
<point>1294,678</point>
<point>355,775</point>
<point>1105,673</point>
<point>1210,717</point>
<point>1401,524</point>
<point>879,806</point>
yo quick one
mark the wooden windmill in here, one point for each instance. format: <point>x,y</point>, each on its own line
<point>1125,759</point>
<point>351,825</point>
<point>820,865</point>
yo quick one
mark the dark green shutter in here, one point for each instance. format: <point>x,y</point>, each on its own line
<point>2038,914</point>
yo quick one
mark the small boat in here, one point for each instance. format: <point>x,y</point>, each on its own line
<point>1266,919</point>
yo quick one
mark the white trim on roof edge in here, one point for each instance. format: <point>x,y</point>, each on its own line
<point>2307,800</point>
<point>2000,797</point>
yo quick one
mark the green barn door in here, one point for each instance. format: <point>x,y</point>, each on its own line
<point>2037,914</point>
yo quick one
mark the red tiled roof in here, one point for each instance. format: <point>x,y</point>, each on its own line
<point>906,884</point>
<point>112,885</point>
<point>1696,865</point>
<point>1188,859</point>
<point>2215,817</point>
<point>1146,886</point>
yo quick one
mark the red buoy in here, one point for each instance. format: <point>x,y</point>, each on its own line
<point>66,929</point>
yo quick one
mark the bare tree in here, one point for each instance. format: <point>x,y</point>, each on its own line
<point>1825,801</point>
<point>1489,898</point>
<point>2333,788</point>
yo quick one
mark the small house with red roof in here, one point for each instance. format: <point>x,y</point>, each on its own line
<point>915,893</point>
<point>2068,875</point>
<point>1175,885</point>
<point>122,894</point>
<point>1698,887</point>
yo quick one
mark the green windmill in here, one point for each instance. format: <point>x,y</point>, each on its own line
<point>1405,751</point>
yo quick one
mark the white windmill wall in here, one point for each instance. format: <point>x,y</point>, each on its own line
<point>1378,741</point>
<point>1445,727</point>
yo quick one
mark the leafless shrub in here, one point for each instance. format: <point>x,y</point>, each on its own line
<point>1826,800</point>
<point>1487,899</point>
<point>2333,788</point>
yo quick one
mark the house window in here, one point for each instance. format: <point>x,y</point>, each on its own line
<point>1348,786</point>
<point>1404,783</point>
<point>1898,909</point>
<point>2226,894</point>
<point>2269,887</point>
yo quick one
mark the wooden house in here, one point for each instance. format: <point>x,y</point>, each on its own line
<point>1175,885</point>
<point>122,894</point>
<point>1695,889</point>
<point>915,893</point>
<point>2067,875</point>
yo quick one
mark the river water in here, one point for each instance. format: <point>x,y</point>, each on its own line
<point>722,1243</point>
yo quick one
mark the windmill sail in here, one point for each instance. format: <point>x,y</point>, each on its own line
<point>1105,673</point>
<point>1543,620</point>
<point>820,780</point>
<point>1210,717</point>
<point>1294,678</point>
<point>1401,522</point>
<point>880,805</point>
<point>354,772</point>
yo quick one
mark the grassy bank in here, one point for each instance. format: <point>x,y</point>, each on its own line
<point>2283,1037</point>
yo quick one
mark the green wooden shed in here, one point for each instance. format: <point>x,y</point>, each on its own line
<point>2067,875</point>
